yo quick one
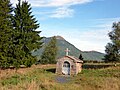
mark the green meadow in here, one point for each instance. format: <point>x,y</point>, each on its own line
<point>43,77</point>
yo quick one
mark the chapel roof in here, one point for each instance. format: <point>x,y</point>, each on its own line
<point>75,59</point>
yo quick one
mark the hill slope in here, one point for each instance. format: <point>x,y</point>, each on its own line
<point>63,44</point>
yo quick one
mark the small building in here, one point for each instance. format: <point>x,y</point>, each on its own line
<point>68,65</point>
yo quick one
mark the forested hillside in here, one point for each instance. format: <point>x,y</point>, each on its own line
<point>63,44</point>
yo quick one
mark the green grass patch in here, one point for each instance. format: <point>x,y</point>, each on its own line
<point>46,79</point>
<point>14,80</point>
<point>37,74</point>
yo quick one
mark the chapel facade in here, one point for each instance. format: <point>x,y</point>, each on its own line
<point>68,65</point>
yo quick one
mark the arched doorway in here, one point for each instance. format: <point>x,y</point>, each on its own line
<point>66,68</point>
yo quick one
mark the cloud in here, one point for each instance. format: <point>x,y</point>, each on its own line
<point>108,19</point>
<point>89,40</point>
<point>54,3</point>
<point>94,37</point>
<point>62,7</point>
<point>62,12</point>
<point>104,23</point>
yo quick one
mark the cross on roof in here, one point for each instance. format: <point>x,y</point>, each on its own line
<point>67,50</point>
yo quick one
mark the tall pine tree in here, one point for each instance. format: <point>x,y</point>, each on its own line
<point>5,33</point>
<point>113,48</point>
<point>26,38</point>
<point>50,52</point>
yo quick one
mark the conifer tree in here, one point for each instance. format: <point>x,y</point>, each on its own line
<point>5,33</point>
<point>26,38</point>
<point>80,57</point>
<point>50,52</point>
<point>111,53</point>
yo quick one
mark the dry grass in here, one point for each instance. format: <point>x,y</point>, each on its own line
<point>41,77</point>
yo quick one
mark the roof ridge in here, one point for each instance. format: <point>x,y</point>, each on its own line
<point>74,58</point>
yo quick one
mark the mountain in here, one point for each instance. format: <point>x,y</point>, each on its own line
<point>63,44</point>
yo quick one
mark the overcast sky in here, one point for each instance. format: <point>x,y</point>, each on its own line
<point>84,23</point>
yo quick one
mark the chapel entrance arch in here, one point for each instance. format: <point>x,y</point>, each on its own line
<point>66,68</point>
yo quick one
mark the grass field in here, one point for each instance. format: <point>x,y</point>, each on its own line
<point>43,77</point>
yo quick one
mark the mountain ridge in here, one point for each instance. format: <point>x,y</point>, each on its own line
<point>62,44</point>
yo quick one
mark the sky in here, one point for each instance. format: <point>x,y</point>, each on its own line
<point>83,23</point>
